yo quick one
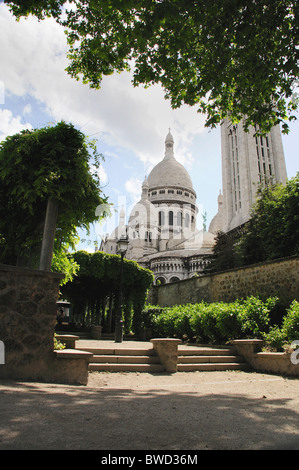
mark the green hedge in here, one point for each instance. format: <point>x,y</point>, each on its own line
<point>221,322</point>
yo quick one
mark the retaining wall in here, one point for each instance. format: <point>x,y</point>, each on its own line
<point>284,363</point>
<point>279,277</point>
<point>27,322</point>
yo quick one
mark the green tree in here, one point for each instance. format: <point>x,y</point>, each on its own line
<point>52,162</point>
<point>225,255</point>
<point>273,230</point>
<point>228,57</point>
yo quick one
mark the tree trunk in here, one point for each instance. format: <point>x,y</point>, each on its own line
<point>49,235</point>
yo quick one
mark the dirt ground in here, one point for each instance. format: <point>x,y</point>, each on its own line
<point>146,412</point>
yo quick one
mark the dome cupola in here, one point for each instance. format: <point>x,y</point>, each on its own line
<point>169,142</point>
<point>169,176</point>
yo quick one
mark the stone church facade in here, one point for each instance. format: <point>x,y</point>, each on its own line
<point>248,161</point>
<point>162,229</point>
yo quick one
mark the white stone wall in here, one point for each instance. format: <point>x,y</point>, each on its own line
<point>247,161</point>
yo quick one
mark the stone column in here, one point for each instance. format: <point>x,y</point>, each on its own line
<point>167,350</point>
<point>248,347</point>
<point>27,320</point>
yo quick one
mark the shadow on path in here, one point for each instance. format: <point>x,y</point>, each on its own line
<point>66,417</point>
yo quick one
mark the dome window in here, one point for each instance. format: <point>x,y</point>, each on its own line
<point>187,220</point>
<point>161,218</point>
<point>179,219</point>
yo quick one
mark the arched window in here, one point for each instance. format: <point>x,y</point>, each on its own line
<point>187,220</point>
<point>179,219</point>
<point>170,218</point>
<point>174,279</point>
<point>160,280</point>
<point>161,218</point>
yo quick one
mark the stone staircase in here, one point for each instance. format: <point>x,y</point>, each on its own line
<point>134,359</point>
<point>80,333</point>
<point>124,360</point>
<point>209,359</point>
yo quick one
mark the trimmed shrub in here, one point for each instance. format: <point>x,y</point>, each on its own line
<point>275,338</point>
<point>290,324</point>
<point>255,317</point>
<point>228,321</point>
<point>216,322</point>
<point>149,316</point>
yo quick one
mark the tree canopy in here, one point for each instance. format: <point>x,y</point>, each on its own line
<point>95,289</point>
<point>273,230</point>
<point>228,57</point>
<point>37,164</point>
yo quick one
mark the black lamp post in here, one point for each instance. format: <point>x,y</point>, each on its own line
<point>122,245</point>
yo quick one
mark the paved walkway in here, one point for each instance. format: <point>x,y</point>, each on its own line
<point>124,345</point>
<point>95,343</point>
<point>145,412</point>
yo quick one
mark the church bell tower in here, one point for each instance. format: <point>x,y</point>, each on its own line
<point>248,161</point>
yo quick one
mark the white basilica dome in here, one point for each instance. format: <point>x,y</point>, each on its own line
<point>162,230</point>
<point>169,172</point>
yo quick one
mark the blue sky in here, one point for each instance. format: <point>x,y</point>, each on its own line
<point>130,124</point>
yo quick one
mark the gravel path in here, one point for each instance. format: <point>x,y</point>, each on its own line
<point>164,412</point>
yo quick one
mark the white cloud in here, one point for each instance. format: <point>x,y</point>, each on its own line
<point>28,52</point>
<point>10,125</point>
<point>133,187</point>
<point>103,175</point>
<point>2,92</point>
<point>27,109</point>
<point>33,61</point>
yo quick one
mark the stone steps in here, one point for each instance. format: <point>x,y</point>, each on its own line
<point>79,333</point>
<point>134,359</point>
<point>209,359</point>
<point>111,367</point>
<point>124,360</point>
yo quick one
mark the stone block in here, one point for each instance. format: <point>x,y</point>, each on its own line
<point>167,351</point>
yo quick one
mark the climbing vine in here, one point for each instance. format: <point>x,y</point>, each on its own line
<point>94,291</point>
